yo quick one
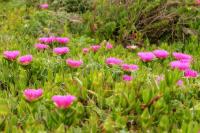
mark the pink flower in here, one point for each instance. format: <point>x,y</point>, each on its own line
<point>85,50</point>
<point>11,55</point>
<point>179,65</point>
<point>160,78</point>
<point>113,61</point>
<point>198,3</point>
<point>26,59</point>
<point>62,40</point>
<point>109,45</point>
<point>41,46</point>
<point>127,78</point>
<point>146,56</point>
<point>47,40</point>
<point>131,67</point>
<point>32,94</point>
<point>44,6</point>
<point>161,54</point>
<point>63,102</point>
<point>179,83</point>
<point>181,56</point>
<point>74,63</point>
<point>190,73</point>
<point>95,48</point>
<point>61,50</point>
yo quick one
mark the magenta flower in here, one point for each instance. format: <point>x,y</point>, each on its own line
<point>41,46</point>
<point>62,40</point>
<point>74,63</point>
<point>63,102</point>
<point>61,50</point>
<point>109,45</point>
<point>47,40</point>
<point>44,6</point>
<point>181,56</point>
<point>32,94</point>
<point>161,54</point>
<point>146,56</point>
<point>95,48</point>
<point>190,73</point>
<point>127,78</point>
<point>85,50</point>
<point>26,59</point>
<point>113,61</point>
<point>179,83</point>
<point>130,68</point>
<point>11,55</point>
<point>179,65</point>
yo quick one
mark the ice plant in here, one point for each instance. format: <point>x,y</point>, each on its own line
<point>26,59</point>
<point>181,56</point>
<point>179,65</point>
<point>63,102</point>
<point>161,54</point>
<point>95,48</point>
<point>61,50</point>
<point>62,40</point>
<point>127,78</point>
<point>44,6</point>
<point>74,63</point>
<point>146,56</point>
<point>109,45</point>
<point>47,40</point>
<point>32,94</point>
<point>113,61</point>
<point>11,55</point>
<point>190,73</point>
<point>85,50</point>
<point>41,46</point>
<point>198,2</point>
<point>179,83</point>
<point>129,67</point>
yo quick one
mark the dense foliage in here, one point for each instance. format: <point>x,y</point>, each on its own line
<point>153,101</point>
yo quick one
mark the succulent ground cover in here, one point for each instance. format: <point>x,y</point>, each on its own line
<point>54,81</point>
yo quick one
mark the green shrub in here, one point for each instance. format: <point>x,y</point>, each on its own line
<point>132,21</point>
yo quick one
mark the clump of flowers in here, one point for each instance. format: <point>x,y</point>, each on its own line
<point>179,83</point>
<point>146,56</point>
<point>63,102</point>
<point>161,54</point>
<point>95,48</point>
<point>47,40</point>
<point>113,61</point>
<point>41,46</point>
<point>61,50</point>
<point>32,94</point>
<point>74,63</point>
<point>85,50</point>
<point>109,45</point>
<point>11,55</point>
<point>127,78</point>
<point>190,73</point>
<point>26,59</point>
<point>130,67</point>
<point>182,56</point>
<point>44,6</point>
<point>179,65</point>
<point>62,40</point>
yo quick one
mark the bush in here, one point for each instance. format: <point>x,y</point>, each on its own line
<point>132,21</point>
